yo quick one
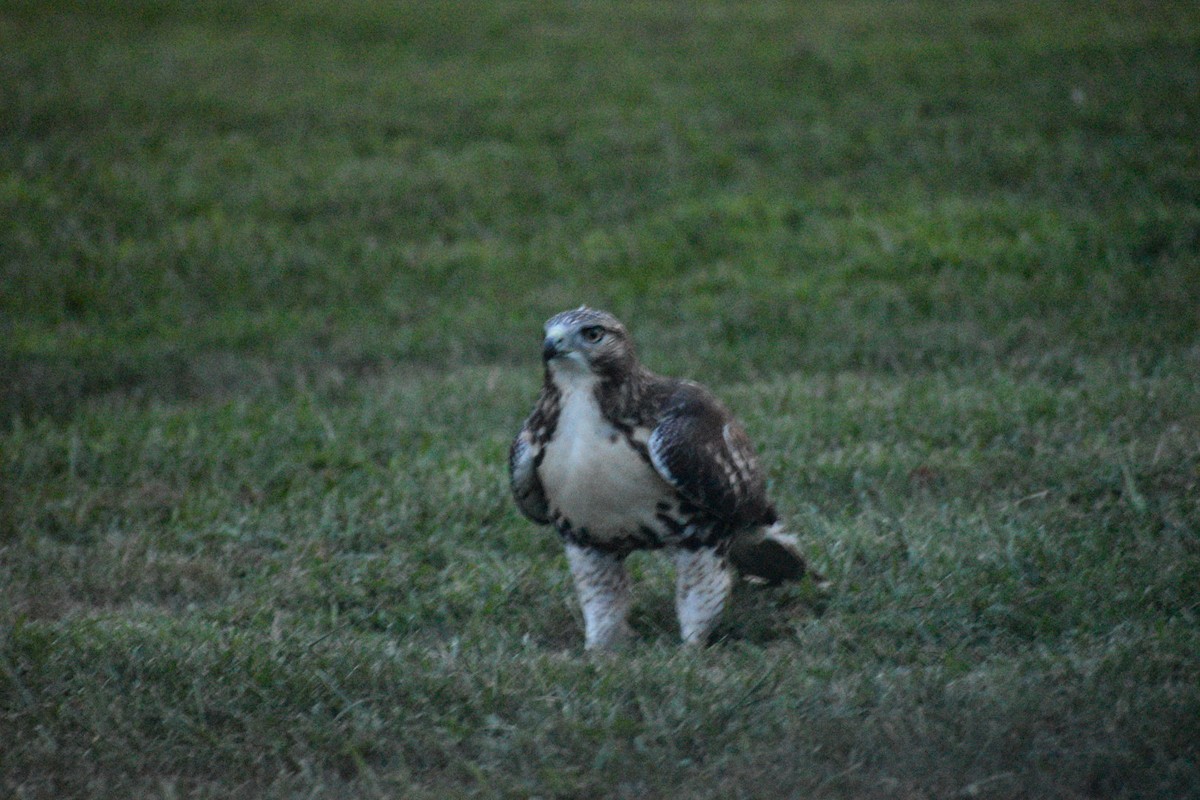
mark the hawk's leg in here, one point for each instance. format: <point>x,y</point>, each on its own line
<point>603,589</point>
<point>702,583</point>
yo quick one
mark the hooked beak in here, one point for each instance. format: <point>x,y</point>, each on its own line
<point>551,348</point>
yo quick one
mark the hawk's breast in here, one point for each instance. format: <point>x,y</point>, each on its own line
<point>597,484</point>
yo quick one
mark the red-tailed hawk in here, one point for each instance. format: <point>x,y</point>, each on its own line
<point>619,459</point>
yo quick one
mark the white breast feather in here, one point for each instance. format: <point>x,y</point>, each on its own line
<point>591,474</point>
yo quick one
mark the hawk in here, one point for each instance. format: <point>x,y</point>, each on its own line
<point>620,459</point>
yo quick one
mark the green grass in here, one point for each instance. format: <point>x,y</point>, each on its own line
<point>271,285</point>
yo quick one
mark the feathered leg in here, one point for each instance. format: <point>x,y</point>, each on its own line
<point>701,585</point>
<point>603,589</point>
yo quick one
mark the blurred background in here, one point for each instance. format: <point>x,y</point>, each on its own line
<point>211,194</point>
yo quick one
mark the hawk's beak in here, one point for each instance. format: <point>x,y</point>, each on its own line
<point>550,348</point>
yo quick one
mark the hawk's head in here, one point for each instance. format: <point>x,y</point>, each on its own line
<point>587,341</point>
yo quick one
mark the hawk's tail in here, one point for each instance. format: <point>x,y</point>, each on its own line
<point>770,555</point>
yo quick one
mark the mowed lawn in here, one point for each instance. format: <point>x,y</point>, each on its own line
<point>272,279</point>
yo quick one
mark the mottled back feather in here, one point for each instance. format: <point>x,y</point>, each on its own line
<point>523,480</point>
<point>700,449</point>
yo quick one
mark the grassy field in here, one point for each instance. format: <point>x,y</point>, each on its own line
<point>272,278</point>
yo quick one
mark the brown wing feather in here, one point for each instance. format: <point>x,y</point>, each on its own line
<point>700,449</point>
<point>523,479</point>
<point>525,455</point>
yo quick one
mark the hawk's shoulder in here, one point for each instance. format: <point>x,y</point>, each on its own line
<point>526,453</point>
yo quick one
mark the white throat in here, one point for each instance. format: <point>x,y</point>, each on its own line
<point>571,370</point>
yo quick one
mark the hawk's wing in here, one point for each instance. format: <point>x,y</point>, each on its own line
<point>527,489</point>
<point>700,449</point>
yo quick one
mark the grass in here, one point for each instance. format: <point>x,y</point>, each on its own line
<point>271,284</point>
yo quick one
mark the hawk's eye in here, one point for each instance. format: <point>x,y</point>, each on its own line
<point>592,334</point>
